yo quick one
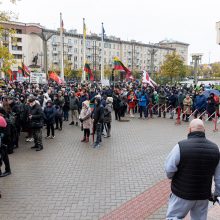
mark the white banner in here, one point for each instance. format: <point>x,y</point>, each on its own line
<point>38,78</point>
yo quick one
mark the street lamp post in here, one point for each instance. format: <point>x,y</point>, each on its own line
<point>152,52</point>
<point>196,59</point>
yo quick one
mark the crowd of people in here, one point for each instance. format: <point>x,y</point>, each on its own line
<point>29,107</point>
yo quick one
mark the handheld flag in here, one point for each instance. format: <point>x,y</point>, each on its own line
<point>89,72</point>
<point>55,77</point>
<point>10,73</point>
<point>103,32</point>
<point>26,70</point>
<point>118,65</point>
<point>146,79</point>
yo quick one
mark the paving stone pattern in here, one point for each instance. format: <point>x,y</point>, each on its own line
<point>71,180</point>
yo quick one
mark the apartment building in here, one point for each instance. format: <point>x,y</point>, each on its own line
<point>30,42</point>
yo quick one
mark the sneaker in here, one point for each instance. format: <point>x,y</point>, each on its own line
<point>47,137</point>
<point>96,145</point>
<point>52,137</point>
<point>31,139</point>
<point>5,174</point>
<point>27,140</point>
<point>72,123</point>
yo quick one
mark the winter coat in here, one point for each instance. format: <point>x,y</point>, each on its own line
<point>187,104</point>
<point>74,103</point>
<point>142,99</point>
<point>36,121</point>
<point>200,102</point>
<point>85,116</point>
<point>210,105</point>
<point>66,106</point>
<point>107,113</point>
<point>49,115</point>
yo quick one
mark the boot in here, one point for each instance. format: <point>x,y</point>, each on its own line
<point>84,139</point>
<point>87,140</point>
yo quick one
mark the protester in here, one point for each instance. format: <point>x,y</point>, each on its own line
<point>36,123</point>
<point>191,166</point>
<point>85,119</point>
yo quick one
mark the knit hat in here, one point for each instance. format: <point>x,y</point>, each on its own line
<point>109,100</point>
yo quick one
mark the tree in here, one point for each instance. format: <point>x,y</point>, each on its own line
<point>67,69</point>
<point>216,69</point>
<point>173,67</point>
<point>5,55</point>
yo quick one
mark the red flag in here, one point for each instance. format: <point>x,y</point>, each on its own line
<point>55,77</point>
<point>10,73</point>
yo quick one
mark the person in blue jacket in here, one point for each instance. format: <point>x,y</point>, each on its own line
<point>200,103</point>
<point>143,103</point>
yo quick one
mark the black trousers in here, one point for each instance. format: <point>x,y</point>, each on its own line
<point>4,158</point>
<point>50,127</point>
<point>98,133</point>
<point>37,134</point>
<point>86,132</point>
<point>59,122</point>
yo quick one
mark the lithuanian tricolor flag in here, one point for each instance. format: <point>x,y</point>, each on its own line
<point>89,72</point>
<point>26,70</point>
<point>118,65</point>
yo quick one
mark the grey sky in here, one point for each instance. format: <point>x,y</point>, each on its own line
<point>190,21</point>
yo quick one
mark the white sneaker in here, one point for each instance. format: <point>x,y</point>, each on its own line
<point>31,139</point>
<point>52,137</point>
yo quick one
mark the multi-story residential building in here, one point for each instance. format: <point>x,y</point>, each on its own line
<point>34,41</point>
<point>180,47</point>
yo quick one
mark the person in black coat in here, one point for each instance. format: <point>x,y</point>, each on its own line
<point>49,118</point>
<point>211,106</point>
<point>36,123</point>
<point>66,107</point>
<point>98,118</point>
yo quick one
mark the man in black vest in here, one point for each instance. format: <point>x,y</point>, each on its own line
<point>191,165</point>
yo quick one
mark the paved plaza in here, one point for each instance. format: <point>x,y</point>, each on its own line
<point>69,180</point>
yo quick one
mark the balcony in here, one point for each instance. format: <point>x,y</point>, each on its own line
<point>55,43</point>
<point>70,44</point>
<point>55,52</point>
<point>55,61</point>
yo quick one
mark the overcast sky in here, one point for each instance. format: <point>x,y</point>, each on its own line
<point>190,21</point>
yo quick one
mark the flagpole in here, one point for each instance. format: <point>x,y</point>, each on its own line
<point>84,50</point>
<point>61,44</point>
<point>102,55</point>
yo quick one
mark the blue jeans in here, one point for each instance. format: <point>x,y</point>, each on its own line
<point>66,115</point>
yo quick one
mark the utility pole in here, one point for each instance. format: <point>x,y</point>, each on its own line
<point>196,59</point>
<point>152,52</point>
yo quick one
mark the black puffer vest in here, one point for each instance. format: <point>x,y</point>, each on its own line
<point>198,159</point>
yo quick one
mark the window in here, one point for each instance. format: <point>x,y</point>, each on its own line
<point>75,42</point>
<point>75,50</point>
<point>75,58</point>
<point>69,57</point>
<point>113,46</point>
<point>54,48</point>
<point>105,45</point>
<point>18,31</point>
<point>110,45</point>
<point>69,41</point>
<point>17,56</point>
<point>69,50</point>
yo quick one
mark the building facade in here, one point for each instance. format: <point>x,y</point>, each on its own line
<point>31,43</point>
